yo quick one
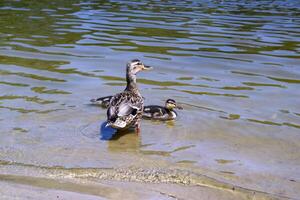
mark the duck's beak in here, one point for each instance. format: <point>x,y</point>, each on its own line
<point>146,67</point>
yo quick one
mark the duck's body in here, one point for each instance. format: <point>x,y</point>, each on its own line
<point>126,108</point>
<point>103,101</point>
<point>161,113</point>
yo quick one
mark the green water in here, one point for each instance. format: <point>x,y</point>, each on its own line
<point>232,65</point>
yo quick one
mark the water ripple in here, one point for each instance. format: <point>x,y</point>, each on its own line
<point>233,65</point>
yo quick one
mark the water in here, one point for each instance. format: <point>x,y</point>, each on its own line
<point>232,65</point>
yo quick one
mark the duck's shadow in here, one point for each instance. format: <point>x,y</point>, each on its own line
<point>108,133</point>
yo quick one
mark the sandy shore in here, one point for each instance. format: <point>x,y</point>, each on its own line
<point>31,182</point>
<point>42,188</point>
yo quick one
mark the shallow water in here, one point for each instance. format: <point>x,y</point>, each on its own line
<point>233,66</point>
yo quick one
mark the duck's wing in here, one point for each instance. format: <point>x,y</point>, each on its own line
<point>124,104</point>
<point>127,109</point>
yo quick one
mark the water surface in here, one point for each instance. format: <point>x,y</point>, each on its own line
<point>232,65</point>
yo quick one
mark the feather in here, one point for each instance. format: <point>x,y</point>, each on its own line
<point>125,108</point>
<point>158,113</point>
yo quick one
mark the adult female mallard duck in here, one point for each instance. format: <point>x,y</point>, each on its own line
<point>126,108</point>
<point>160,112</point>
<point>103,101</point>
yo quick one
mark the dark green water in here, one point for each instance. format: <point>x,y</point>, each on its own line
<point>233,65</point>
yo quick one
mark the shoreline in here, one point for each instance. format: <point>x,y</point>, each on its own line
<point>109,182</point>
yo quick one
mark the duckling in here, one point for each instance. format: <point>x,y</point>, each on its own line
<point>126,108</point>
<point>102,101</point>
<point>160,112</point>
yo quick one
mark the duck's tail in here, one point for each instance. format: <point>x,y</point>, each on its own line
<point>118,124</point>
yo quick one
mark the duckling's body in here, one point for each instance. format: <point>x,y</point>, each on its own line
<point>102,101</point>
<point>158,112</point>
<point>126,108</point>
<point>161,113</point>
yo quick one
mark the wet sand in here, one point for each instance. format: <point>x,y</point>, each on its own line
<point>61,183</point>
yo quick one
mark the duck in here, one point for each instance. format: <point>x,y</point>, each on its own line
<point>161,113</point>
<point>102,101</point>
<point>125,109</point>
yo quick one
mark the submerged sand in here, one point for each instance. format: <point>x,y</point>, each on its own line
<point>36,182</point>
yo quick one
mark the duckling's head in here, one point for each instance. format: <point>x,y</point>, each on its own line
<point>171,104</point>
<point>134,66</point>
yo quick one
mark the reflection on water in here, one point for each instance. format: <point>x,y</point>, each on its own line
<point>107,133</point>
<point>234,65</point>
<point>129,142</point>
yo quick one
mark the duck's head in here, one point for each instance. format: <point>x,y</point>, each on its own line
<point>134,66</point>
<point>171,104</point>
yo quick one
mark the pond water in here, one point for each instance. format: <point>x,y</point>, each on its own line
<point>234,66</point>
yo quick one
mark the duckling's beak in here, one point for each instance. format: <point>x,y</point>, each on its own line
<point>179,107</point>
<point>146,67</point>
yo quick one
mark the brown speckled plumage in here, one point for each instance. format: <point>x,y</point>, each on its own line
<point>126,108</point>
